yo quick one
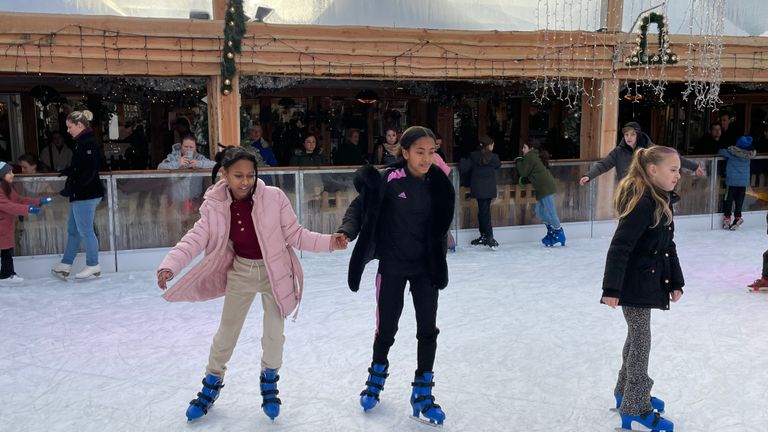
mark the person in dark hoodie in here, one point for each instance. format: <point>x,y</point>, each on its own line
<point>84,190</point>
<point>621,156</point>
<point>642,273</point>
<point>310,155</point>
<point>480,168</point>
<point>402,216</point>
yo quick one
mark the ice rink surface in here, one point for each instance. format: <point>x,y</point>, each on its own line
<point>524,346</point>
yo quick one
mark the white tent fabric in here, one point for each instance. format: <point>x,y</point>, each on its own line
<point>742,17</point>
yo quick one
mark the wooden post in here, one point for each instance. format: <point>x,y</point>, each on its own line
<point>611,12</point>
<point>609,119</point>
<point>590,124</point>
<point>219,9</point>
<point>223,113</point>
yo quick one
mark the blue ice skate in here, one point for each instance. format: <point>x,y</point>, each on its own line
<point>656,403</point>
<point>268,383</point>
<point>548,239</point>
<point>377,375</point>
<point>205,398</point>
<point>423,402</point>
<point>558,236</point>
<point>652,420</point>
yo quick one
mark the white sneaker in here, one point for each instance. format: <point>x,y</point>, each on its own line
<point>12,280</point>
<point>62,269</point>
<point>89,271</point>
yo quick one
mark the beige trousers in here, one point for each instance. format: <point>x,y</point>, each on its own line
<point>245,279</point>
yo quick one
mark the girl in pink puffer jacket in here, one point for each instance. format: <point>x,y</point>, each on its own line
<point>248,231</point>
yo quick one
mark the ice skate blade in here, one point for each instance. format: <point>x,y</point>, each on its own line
<point>619,429</point>
<point>427,422</point>
<point>60,275</point>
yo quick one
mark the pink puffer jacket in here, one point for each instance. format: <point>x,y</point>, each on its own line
<point>278,231</point>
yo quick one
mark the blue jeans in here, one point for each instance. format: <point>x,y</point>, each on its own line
<point>80,228</point>
<point>545,209</point>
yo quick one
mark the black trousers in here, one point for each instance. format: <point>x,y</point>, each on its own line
<point>390,292</point>
<point>765,264</point>
<point>484,216</point>
<point>735,194</point>
<point>6,263</point>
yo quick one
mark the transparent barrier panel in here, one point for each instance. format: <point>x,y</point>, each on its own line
<point>46,233</point>
<point>156,210</point>
<point>326,197</point>
<point>757,193</point>
<point>695,192</point>
<point>515,203</point>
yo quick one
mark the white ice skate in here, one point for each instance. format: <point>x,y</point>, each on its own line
<point>62,270</point>
<point>12,280</point>
<point>89,271</point>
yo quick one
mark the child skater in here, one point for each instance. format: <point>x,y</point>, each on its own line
<point>642,272</point>
<point>248,231</point>
<point>533,168</point>
<point>762,283</point>
<point>737,180</point>
<point>481,167</point>
<point>402,216</point>
<point>12,205</point>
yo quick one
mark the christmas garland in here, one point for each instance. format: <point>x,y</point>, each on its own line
<point>664,55</point>
<point>234,29</point>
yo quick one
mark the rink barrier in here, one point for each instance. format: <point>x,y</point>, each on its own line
<point>145,213</point>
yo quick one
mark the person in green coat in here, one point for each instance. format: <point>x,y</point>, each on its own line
<point>533,167</point>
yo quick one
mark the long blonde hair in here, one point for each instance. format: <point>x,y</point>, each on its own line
<point>637,183</point>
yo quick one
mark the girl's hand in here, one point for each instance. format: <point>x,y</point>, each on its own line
<point>339,241</point>
<point>610,301</point>
<point>675,295</point>
<point>164,276</point>
<point>584,180</point>
<point>699,173</point>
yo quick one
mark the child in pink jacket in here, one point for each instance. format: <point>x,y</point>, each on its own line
<point>12,205</point>
<point>248,231</point>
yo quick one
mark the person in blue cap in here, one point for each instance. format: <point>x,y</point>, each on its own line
<point>736,179</point>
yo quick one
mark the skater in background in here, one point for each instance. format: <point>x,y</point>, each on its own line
<point>480,168</point>
<point>248,231</point>
<point>12,205</point>
<point>762,283</point>
<point>736,179</point>
<point>402,216</point>
<point>621,156</point>
<point>642,272</point>
<point>84,190</point>
<point>533,167</point>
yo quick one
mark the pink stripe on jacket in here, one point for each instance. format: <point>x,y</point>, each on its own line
<point>278,231</point>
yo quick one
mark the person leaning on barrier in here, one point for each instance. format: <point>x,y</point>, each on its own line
<point>621,156</point>
<point>185,156</point>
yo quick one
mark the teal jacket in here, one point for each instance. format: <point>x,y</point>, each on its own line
<point>532,170</point>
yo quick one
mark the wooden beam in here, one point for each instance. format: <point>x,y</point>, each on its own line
<point>226,111</point>
<point>609,120</point>
<point>219,9</point>
<point>612,12</point>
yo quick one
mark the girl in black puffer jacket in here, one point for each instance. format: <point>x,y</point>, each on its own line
<point>642,272</point>
<point>481,169</point>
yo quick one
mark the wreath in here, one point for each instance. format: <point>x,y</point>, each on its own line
<point>664,54</point>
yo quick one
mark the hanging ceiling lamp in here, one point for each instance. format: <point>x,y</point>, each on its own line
<point>367,97</point>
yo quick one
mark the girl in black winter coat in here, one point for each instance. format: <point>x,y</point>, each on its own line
<point>481,169</point>
<point>642,272</point>
<point>402,216</point>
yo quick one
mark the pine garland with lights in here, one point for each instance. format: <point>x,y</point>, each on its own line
<point>664,55</point>
<point>234,29</point>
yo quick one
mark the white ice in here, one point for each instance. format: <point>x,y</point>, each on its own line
<point>524,346</point>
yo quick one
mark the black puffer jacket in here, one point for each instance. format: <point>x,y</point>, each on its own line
<point>362,219</point>
<point>83,181</point>
<point>482,174</point>
<point>642,267</point>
